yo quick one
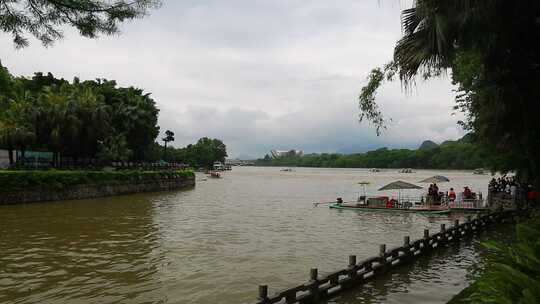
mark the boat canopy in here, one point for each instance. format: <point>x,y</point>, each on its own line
<point>399,185</point>
<point>435,179</point>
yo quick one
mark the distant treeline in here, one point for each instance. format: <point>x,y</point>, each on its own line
<point>201,154</point>
<point>461,154</point>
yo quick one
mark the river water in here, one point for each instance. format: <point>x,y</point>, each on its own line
<point>217,242</point>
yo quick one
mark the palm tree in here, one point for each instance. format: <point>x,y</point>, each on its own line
<point>15,131</point>
<point>169,136</point>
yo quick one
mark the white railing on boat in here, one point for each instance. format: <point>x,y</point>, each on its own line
<point>468,204</point>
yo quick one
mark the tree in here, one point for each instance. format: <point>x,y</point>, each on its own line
<point>208,151</point>
<point>44,19</point>
<point>15,131</point>
<point>76,120</point>
<point>495,65</point>
<point>169,136</point>
<point>114,148</point>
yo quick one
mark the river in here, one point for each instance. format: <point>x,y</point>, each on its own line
<point>217,242</point>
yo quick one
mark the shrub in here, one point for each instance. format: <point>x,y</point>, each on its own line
<point>22,180</point>
<point>514,275</point>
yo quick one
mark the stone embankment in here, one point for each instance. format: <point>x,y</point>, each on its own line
<point>43,194</point>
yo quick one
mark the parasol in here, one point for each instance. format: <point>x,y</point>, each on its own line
<point>435,179</point>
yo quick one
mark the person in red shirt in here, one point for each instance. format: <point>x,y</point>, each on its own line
<point>451,195</point>
<point>467,193</point>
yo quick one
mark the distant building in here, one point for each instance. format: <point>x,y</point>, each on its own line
<point>282,153</point>
<point>31,158</point>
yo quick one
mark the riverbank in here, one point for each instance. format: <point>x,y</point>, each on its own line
<point>54,185</point>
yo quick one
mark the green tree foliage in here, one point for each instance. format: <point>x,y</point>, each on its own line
<point>169,137</point>
<point>77,120</point>
<point>513,276</point>
<point>455,155</point>
<point>44,19</point>
<point>114,148</point>
<point>202,154</point>
<point>20,180</point>
<point>488,46</point>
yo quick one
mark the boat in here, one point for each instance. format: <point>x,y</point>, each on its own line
<point>286,170</point>
<point>479,171</point>
<point>374,170</point>
<point>421,210</point>
<point>406,170</point>
<point>215,174</point>
<point>386,204</point>
<point>218,166</point>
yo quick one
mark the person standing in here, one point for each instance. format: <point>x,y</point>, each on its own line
<point>452,195</point>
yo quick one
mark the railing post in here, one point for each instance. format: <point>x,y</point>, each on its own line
<point>457,231</point>
<point>382,261</point>
<point>443,239</point>
<point>313,274</point>
<point>313,278</point>
<point>352,267</point>
<point>382,250</point>
<point>352,260</point>
<point>407,247</point>
<point>263,293</point>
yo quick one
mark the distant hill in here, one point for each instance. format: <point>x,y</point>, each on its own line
<point>427,144</point>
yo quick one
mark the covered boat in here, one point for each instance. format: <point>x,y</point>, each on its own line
<point>384,203</point>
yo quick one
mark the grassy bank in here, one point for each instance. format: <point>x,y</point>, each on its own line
<point>59,179</point>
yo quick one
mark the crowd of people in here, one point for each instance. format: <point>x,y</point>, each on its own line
<point>506,185</point>
<point>434,196</point>
<point>511,187</point>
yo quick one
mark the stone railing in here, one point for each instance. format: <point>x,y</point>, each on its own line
<point>356,273</point>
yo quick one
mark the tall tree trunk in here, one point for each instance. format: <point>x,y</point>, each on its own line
<point>10,152</point>
<point>165,152</point>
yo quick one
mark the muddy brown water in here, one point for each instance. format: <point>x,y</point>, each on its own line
<point>217,242</point>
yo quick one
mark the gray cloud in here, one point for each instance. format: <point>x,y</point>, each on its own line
<point>258,74</point>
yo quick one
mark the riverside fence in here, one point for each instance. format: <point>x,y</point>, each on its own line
<point>324,287</point>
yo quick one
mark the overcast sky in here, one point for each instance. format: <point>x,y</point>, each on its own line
<point>258,74</point>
